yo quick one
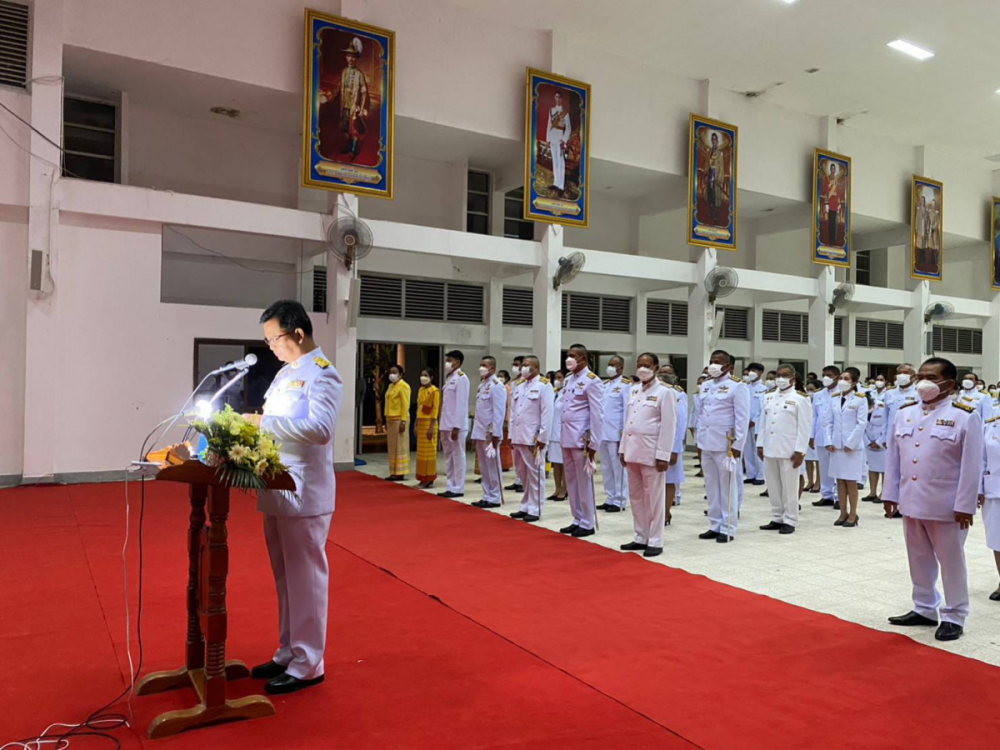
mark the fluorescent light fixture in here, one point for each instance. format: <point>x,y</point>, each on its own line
<point>789,2</point>
<point>998,91</point>
<point>911,49</point>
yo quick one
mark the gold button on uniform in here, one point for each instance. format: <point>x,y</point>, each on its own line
<point>914,460</point>
<point>914,477</point>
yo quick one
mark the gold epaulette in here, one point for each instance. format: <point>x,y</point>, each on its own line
<point>735,379</point>
<point>590,374</point>
<point>626,381</point>
<point>993,419</point>
<point>678,388</point>
<point>542,379</point>
<point>963,407</point>
<point>890,387</point>
<point>908,404</point>
<point>323,363</point>
<point>802,393</point>
<point>860,395</point>
<point>459,372</point>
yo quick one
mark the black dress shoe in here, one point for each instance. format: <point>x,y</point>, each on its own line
<point>603,506</point>
<point>709,535</point>
<point>478,504</point>
<point>836,504</point>
<point>765,493</point>
<point>518,515</point>
<point>786,528</point>
<point>757,482</point>
<point>558,499</point>
<point>700,473</point>
<point>578,532</point>
<point>747,481</point>
<point>528,518</point>
<point>612,509</point>
<point>773,526</point>
<point>995,596</point>
<point>285,684</point>
<point>948,631</point>
<point>652,551</point>
<point>450,495</point>
<point>723,539</point>
<point>268,671</point>
<point>477,480</point>
<point>912,618</point>
<point>870,499</point>
<point>824,502</point>
<point>515,487</point>
<point>569,529</point>
<point>489,505</point>
<point>632,547</point>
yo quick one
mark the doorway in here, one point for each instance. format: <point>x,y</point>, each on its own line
<point>248,395</point>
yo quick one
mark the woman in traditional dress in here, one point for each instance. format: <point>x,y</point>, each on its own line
<point>428,412</point>
<point>397,418</point>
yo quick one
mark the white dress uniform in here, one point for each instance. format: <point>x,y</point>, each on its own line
<point>300,409</point>
<point>723,422</point>
<point>555,437</point>
<point>512,395</point>
<point>675,474</point>
<point>990,484</point>
<point>785,429</point>
<point>844,427</point>
<point>897,398</point>
<point>582,418</point>
<point>559,130</point>
<point>754,467</point>
<point>455,414</point>
<point>650,431</point>
<point>979,401</point>
<point>822,404</point>
<point>530,425</point>
<point>616,395</point>
<point>491,411</point>
<point>934,466</point>
<point>876,432</point>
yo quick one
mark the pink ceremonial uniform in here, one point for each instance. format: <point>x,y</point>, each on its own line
<point>648,435</point>
<point>934,461</point>
<point>582,417</point>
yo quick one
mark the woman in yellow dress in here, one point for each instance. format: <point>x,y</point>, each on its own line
<point>397,418</point>
<point>428,411</point>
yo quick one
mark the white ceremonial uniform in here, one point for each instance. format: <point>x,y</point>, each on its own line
<point>723,422</point>
<point>822,404</point>
<point>558,131</point>
<point>455,415</point>
<point>491,410</point>
<point>877,432</point>
<point>693,413</point>
<point>844,426</point>
<point>934,464</point>
<point>300,409</point>
<point>785,429</point>
<point>512,396</point>
<point>979,401</point>
<point>616,394</point>
<point>555,436</point>
<point>989,485</point>
<point>582,418</point>
<point>896,398</point>
<point>650,431</point>
<point>754,467</point>
<point>675,474</point>
<point>531,426</point>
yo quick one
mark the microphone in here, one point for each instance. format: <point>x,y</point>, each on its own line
<point>241,364</point>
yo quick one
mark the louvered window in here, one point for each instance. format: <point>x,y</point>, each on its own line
<point>584,312</point>
<point>736,323</point>
<point>592,312</point>
<point>319,289</point>
<point>878,334</point>
<point>838,331</point>
<point>958,340</point>
<point>666,318</point>
<point>424,299</point>
<point>381,297</point>
<point>465,303</point>
<point>514,225</point>
<point>13,44</point>
<point>477,210</point>
<point>616,314</point>
<point>90,138</point>
<point>565,311</point>
<point>787,327</point>
<point>518,307</point>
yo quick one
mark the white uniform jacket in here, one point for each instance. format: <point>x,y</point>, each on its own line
<point>650,424</point>
<point>786,424</point>
<point>491,409</point>
<point>455,402</point>
<point>989,485</point>
<point>582,409</point>
<point>877,429</point>
<point>725,414</point>
<point>616,396</point>
<point>845,421</point>
<point>531,412</point>
<point>300,409</point>
<point>979,401</point>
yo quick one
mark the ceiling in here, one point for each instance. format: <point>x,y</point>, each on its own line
<point>948,102</point>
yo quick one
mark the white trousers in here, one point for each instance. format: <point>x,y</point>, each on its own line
<point>717,485</point>
<point>755,469</point>
<point>614,475</point>
<point>558,165</point>
<point>580,486</point>
<point>649,503</point>
<point>930,545</point>
<point>827,484</point>
<point>533,499</point>
<point>490,470</point>
<point>783,487</point>
<point>454,454</point>
<point>297,548</point>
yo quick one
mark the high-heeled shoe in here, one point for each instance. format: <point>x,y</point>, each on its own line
<point>852,524</point>
<point>840,521</point>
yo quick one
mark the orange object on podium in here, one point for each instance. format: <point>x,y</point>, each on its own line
<point>205,668</point>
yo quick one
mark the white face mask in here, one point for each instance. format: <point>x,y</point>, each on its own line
<point>448,366</point>
<point>714,370</point>
<point>644,374</point>
<point>903,380</point>
<point>570,364</point>
<point>747,378</point>
<point>844,385</point>
<point>557,384</point>
<point>827,381</point>
<point>928,390</point>
<point>526,371</point>
<point>753,377</point>
<point>484,372</point>
<point>880,384</point>
<point>769,383</point>
<point>968,384</point>
<point>393,377</point>
<point>612,371</point>
<point>425,380</point>
<point>784,383</point>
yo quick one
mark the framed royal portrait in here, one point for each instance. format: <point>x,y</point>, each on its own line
<point>926,229</point>
<point>349,87</point>
<point>557,149</point>
<point>995,245</point>
<point>713,204</point>
<point>831,225</point>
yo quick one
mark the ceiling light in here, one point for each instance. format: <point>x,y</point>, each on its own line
<point>998,91</point>
<point>789,2</point>
<point>911,49</point>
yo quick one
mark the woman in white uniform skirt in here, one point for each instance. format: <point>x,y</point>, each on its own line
<point>845,424</point>
<point>875,444</point>
<point>555,446</point>
<point>989,491</point>
<point>675,474</point>
<point>810,467</point>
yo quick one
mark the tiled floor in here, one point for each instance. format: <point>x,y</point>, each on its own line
<point>859,574</point>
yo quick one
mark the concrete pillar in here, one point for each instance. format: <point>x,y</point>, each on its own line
<point>546,334</point>
<point>821,351</point>
<point>495,322</point>
<point>640,339</point>
<point>991,343</point>
<point>701,319</point>
<point>914,328</point>
<point>343,347</point>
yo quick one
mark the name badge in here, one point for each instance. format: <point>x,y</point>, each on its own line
<point>945,422</point>
<point>296,384</point>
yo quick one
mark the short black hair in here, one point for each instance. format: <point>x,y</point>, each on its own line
<point>517,359</point>
<point>456,355</point>
<point>811,376</point>
<point>855,373</point>
<point>614,357</point>
<point>490,358</point>
<point>832,368</point>
<point>578,346</point>
<point>756,367</point>
<point>531,356</point>
<point>970,372</point>
<point>948,368</point>
<point>656,360</point>
<point>814,383</point>
<point>504,374</point>
<point>402,372</point>
<point>290,315</point>
<point>729,357</point>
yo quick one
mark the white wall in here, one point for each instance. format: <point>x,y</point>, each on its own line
<point>13,300</point>
<point>426,194</point>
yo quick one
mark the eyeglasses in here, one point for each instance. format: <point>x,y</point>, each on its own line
<point>270,341</point>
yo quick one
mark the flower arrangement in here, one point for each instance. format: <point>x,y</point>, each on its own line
<point>243,454</point>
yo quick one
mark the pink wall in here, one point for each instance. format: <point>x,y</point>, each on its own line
<point>13,294</point>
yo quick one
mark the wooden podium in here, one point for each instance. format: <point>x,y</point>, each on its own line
<point>205,668</point>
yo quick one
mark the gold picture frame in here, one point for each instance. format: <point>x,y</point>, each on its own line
<point>826,253</point>
<point>701,231</point>
<point>926,229</point>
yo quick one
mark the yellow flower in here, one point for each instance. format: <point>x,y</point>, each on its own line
<point>237,453</point>
<point>260,468</point>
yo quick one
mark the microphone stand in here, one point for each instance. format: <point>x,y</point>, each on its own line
<point>232,381</point>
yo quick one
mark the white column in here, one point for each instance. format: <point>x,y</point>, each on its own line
<point>546,334</point>
<point>640,338</point>
<point>991,343</point>
<point>821,351</point>
<point>343,347</point>
<point>496,322</point>
<point>701,319</point>
<point>914,328</point>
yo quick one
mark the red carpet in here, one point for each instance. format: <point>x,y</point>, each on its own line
<point>543,641</point>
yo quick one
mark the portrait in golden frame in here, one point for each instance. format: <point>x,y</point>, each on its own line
<point>831,222</point>
<point>713,197</point>
<point>926,229</point>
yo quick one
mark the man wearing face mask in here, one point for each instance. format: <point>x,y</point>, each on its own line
<point>454,422</point>
<point>518,485</point>
<point>530,428</point>
<point>782,442</point>
<point>902,394</point>
<point>933,472</point>
<point>822,404</point>
<point>616,395</point>
<point>754,467</point>
<point>487,429</point>
<point>582,431</point>
<point>675,471</point>
<point>722,431</point>
<point>977,399</point>
<point>876,436</point>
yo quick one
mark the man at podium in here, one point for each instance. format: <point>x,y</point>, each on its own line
<point>300,408</point>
